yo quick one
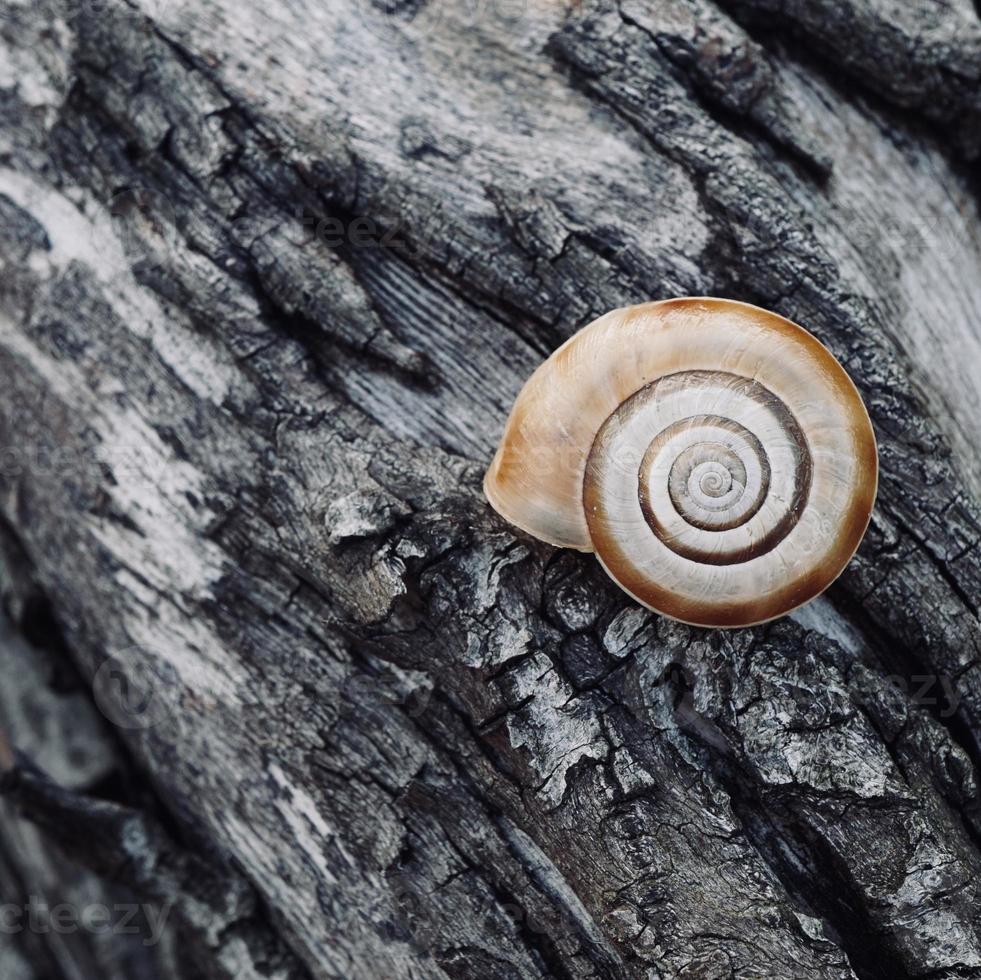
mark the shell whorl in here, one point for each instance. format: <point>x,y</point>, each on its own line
<point>724,478</point>
<point>715,456</point>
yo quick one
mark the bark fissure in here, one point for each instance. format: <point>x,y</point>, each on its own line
<point>467,753</point>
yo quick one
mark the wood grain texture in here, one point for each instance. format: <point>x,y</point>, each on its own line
<point>272,276</point>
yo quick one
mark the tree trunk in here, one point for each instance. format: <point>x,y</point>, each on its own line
<point>275,679</point>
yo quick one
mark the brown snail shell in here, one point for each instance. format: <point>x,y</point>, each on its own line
<point>715,456</point>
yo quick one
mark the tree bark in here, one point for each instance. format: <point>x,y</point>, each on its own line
<point>273,673</point>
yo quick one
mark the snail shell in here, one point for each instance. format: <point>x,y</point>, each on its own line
<point>714,455</point>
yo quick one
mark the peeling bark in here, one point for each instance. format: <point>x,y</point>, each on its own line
<point>272,277</point>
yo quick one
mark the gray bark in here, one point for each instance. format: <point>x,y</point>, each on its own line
<point>272,670</point>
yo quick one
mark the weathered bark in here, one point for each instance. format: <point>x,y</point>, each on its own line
<point>272,276</point>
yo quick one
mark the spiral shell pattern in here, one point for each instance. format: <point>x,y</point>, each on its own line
<point>714,455</point>
<point>725,476</point>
